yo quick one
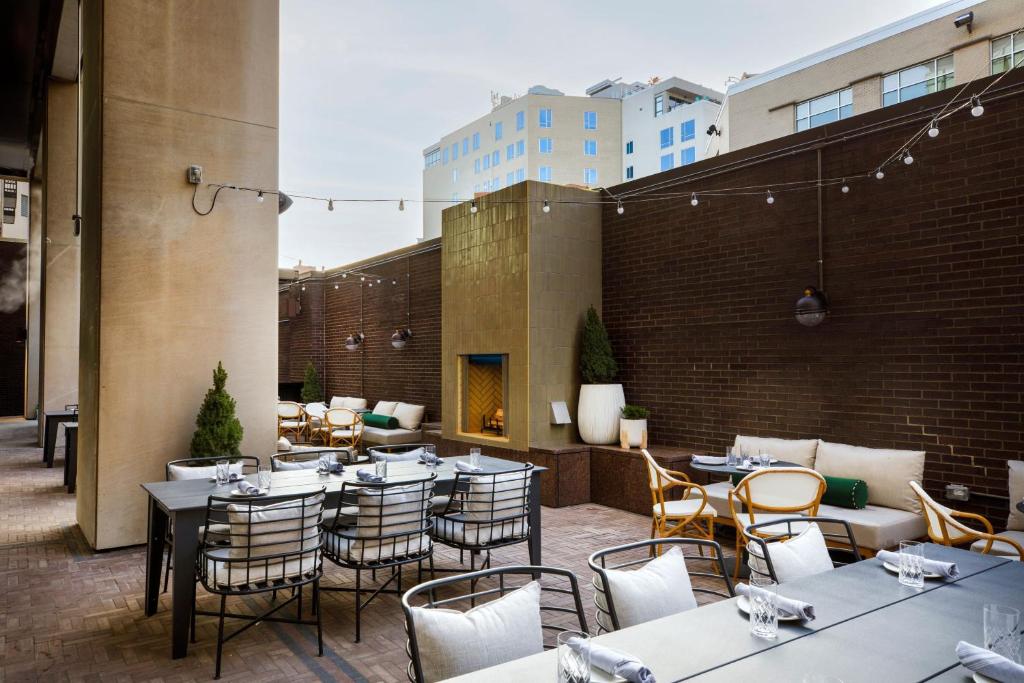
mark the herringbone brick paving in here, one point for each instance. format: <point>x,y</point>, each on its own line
<point>70,614</point>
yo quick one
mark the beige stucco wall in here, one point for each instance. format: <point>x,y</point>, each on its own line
<point>182,82</point>
<point>32,299</point>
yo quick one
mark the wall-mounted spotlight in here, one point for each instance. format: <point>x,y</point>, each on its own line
<point>400,337</point>
<point>354,341</point>
<point>964,20</point>
<point>812,307</point>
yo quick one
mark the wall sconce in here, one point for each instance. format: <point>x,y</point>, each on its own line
<point>354,341</point>
<point>400,337</point>
<point>812,307</point>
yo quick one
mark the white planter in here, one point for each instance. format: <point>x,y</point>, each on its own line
<point>633,433</point>
<point>599,410</point>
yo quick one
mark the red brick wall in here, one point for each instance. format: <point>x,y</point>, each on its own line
<point>300,332</point>
<point>924,269</point>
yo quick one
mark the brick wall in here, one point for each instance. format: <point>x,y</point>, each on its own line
<point>924,269</point>
<point>300,331</point>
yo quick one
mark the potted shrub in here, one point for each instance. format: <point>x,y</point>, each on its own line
<point>218,432</point>
<point>600,399</point>
<point>311,391</point>
<point>633,427</point>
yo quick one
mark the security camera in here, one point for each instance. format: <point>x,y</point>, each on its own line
<point>964,20</point>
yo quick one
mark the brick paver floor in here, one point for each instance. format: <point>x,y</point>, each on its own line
<point>70,614</point>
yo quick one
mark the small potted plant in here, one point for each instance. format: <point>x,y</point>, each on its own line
<point>601,398</point>
<point>633,426</point>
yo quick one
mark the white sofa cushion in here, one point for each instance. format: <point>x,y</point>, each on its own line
<point>377,436</point>
<point>887,472</point>
<point>803,555</point>
<point>409,416</point>
<point>453,643</point>
<point>180,472</point>
<point>659,588</point>
<point>284,444</point>
<point>1002,549</point>
<point>1015,522</point>
<point>385,408</point>
<point>799,451</point>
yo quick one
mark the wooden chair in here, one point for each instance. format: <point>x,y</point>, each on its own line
<point>291,419</point>
<point>344,427</point>
<point>944,527</point>
<point>773,494</point>
<point>689,516</point>
<point>315,422</point>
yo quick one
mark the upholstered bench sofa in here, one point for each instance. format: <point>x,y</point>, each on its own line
<point>405,425</point>
<point>893,512</point>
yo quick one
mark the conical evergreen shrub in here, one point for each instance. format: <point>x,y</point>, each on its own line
<point>218,432</point>
<point>311,390</point>
<point>597,365</point>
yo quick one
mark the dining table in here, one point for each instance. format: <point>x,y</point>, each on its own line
<point>868,627</point>
<point>51,420</point>
<point>182,505</point>
<point>729,470</point>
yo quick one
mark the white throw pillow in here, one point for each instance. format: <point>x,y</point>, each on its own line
<point>353,403</point>
<point>887,472</point>
<point>338,402</point>
<point>453,643</point>
<point>400,456</point>
<point>659,588</point>
<point>385,408</point>
<point>286,465</point>
<point>180,472</point>
<point>803,555</point>
<point>408,415</point>
<point>1016,519</point>
<point>799,451</point>
<point>284,444</point>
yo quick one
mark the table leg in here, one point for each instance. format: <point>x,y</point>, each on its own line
<point>51,441</point>
<point>71,463</point>
<point>154,555</point>
<point>535,535</point>
<point>46,432</point>
<point>186,545</point>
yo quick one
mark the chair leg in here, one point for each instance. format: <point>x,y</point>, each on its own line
<point>319,624</point>
<point>739,555</point>
<point>359,608</point>
<point>299,603</point>
<point>167,569</point>
<point>220,635</point>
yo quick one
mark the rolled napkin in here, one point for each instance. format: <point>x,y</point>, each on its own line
<point>429,459</point>
<point>248,488</point>
<point>462,466</point>
<point>709,459</point>
<point>614,662</point>
<point>787,607</point>
<point>367,475</point>
<point>336,468</point>
<point>947,570</point>
<point>989,664</point>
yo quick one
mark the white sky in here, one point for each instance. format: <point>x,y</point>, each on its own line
<point>365,86</point>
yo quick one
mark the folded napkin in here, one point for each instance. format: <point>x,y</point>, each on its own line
<point>336,468</point>
<point>709,459</point>
<point>429,459</point>
<point>947,570</point>
<point>787,607</point>
<point>462,466</point>
<point>367,475</point>
<point>989,664</point>
<point>614,662</point>
<point>248,488</point>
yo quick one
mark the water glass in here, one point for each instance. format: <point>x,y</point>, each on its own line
<point>573,662</point>
<point>730,457</point>
<point>223,472</point>
<point>911,558</point>
<point>380,464</point>
<point>430,457</point>
<point>764,613</point>
<point>327,461</point>
<point>474,457</point>
<point>766,460</point>
<point>263,479</point>
<point>1002,631</point>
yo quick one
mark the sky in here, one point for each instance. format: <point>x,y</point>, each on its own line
<point>366,86</point>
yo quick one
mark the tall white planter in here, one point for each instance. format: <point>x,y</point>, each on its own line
<point>599,411</point>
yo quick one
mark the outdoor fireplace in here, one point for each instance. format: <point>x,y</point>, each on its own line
<point>483,394</point>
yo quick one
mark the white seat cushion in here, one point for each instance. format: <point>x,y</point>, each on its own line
<point>1002,549</point>
<point>293,424</point>
<point>802,555</point>
<point>799,451</point>
<point>887,472</point>
<point>439,503</point>
<point>685,508</point>
<point>1015,522</point>
<point>408,415</point>
<point>659,588</point>
<point>457,530</point>
<point>366,551</point>
<point>377,436</point>
<point>344,432</point>
<point>453,643</point>
<point>718,498</point>
<point>284,444</point>
<point>256,572</point>
<point>385,408</point>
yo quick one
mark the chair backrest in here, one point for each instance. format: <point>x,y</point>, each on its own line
<point>806,555</point>
<point>605,563</point>
<point>433,653</point>
<point>343,418</point>
<point>781,490</point>
<point>491,507</point>
<point>661,481</point>
<point>942,526</point>
<point>289,410</point>
<point>308,458</point>
<point>204,468</point>
<point>316,409</point>
<point>400,452</point>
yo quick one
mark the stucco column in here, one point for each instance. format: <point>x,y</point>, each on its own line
<point>166,293</point>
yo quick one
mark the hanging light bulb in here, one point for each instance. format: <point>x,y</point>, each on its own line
<point>620,209</point>
<point>693,199</point>
<point>879,174</point>
<point>933,130</point>
<point>547,207</point>
<point>394,282</point>
<point>362,278</point>
<point>770,199</point>
<point>371,284</point>
<point>330,205</point>
<point>259,196</point>
<point>472,207</point>
<point>907,158</point>
<point>976,110</point>
<point>336,284</point>
<point>845,188</point>
<point>344,275</point>
<point>401,205</point>
<point>303,288</point>
<point>378,281</point>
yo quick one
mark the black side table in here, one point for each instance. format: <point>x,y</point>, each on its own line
<point>50,422</point>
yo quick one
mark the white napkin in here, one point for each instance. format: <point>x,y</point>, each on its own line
<point>367,475</point>
<point>246,487</point>
<point>787,607</point>
<point>947,570</point>
<point>988,663</point>
<point>709,459</point>
<point>462,466</point>
<point>614,662</point>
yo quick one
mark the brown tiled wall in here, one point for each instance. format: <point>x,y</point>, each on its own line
<point>924,346</point>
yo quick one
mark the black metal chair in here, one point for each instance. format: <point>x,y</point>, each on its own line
<point>560,601</point>
<point>275,543</point>
<point>303,459</point>
<point>842,550</point>
<point>486,510</point>
<point>380,526</point>
<point>607,617</point>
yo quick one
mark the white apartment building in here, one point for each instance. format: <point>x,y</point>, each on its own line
<point>14,222</point>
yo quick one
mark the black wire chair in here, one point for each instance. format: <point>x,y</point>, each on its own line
<point>486,510</point>
<point>380,526</point>
<point>309,459</point>
<point>275,543</point>
<point>562,589</point>
<point>202,468</point>
<point>781,530</point>
<point>607,617</point>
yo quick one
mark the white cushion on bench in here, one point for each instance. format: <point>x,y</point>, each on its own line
<point>799,451</point>
<point>886,471</point>
<point>377,436</point>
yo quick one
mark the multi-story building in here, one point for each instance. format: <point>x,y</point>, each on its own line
<point>939,48</point>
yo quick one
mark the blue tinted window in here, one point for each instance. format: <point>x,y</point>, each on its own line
<point>590,176</point>
<point>520,175</point>
<point>666,161</point>
<point>510,178</point>
<point>444,156</point>
<point>476,165</point>
<point>520,120</point>
<point>545,118</point>
<point>498,130</point>
<point>687,130</point>
<point>544,174</point>
<point>510,152</point>
<point>465,146</point>
<point>520,148</point>
<point>476,141</point>
<point>455,151</point>
<point>629,147</point>
<point>666,137</point>
<point>455,175</point>
<point>487,161</point>
<point>687,156</point>
<point>629,173</point>
<point>545,145</point>
<point>590,120</point>
<point>495,158</point>
<point>590,148</point>
<point>496,184</point>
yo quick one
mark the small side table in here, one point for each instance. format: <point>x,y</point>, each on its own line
<point>70,455</point>
<point>50,422</point>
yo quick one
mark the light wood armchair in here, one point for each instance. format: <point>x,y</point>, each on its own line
<point>344,427</point>
<point>291,419</point>
<point>944,527</point>
<point>689,516</point>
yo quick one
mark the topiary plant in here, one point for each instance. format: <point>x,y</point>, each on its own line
<point>597,365</point>
<point>634,412</point>
<point>311,390</point>
<point>218,432</point>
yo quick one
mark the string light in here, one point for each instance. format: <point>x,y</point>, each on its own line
<point>547,207</point>
<point>472,207</point>
<point>620,209</point>
<point>362,279</point>
<point>976,110</point>
<point>693,199</point>
<point>879,174</point>
<point>845,188</point>
<point>344,275</point>
<point>401,205</point>
<point>907,158</point>
<point>259,196</point>
<point>771,199</point>
<point>330,205</point>
<point>303,288</point>
<point>933,130</point>
<point>336,285</point>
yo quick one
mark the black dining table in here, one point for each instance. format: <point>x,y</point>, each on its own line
<point>729,470</point>
<point>182,506</point>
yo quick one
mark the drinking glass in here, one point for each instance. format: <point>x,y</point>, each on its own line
<point>911,557</point>
<point>430,457</point>
<point>223,472</point>
<point>730,457</point>
<point>1002,631</point>
<point>474,457</point>
<point>380,464</point>
<point>573,663</point>
<point>327,460</point>
<point>764,614</point>
<point>766,459</point>
<point>263,479</point>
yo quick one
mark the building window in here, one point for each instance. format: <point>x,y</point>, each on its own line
<point>629,173</point>
<point>476,141</point>
<point>444,156</point>
<point>510,152</point>
<point>520,120</point>
<point>455,175</point>
<point>590,148</point>
<point>545,145</point>
<point>495,158</point>
<point>687,156</point>
<point>590,176</point>
<point>666,137</point>
<point>499,129</point>
<point>687,130</point>
<point>510,178</point>
<point>520,175</point>
<point>455,151</point>
<point>487,161</point>
<point>590,120</point>
<point>544,174</point>
<point>545,118</point>
<point>659,105</point>
<point>629,147</point>
<point>520,147</point>
<point>666,161</point>
<point>432,158</point>
<point>465,146</point>
<point>915,81</point>
<point>476,165</point>
<point>1007,52</point>
<point>825,109</point>
<point>496,184</point>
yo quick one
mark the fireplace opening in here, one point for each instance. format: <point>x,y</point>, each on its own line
<point>483,394</point>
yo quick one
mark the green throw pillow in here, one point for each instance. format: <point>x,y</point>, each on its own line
<point>380,421</point>
<point>845,493</point>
